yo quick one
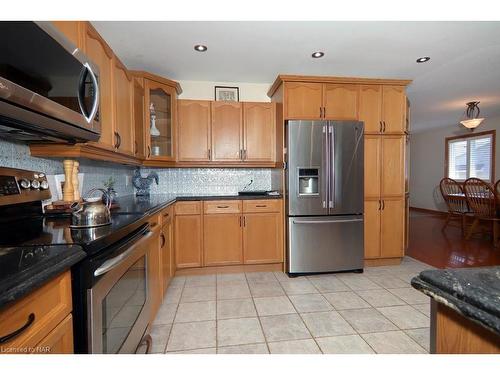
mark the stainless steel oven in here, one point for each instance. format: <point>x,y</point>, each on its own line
<point>118,302</point>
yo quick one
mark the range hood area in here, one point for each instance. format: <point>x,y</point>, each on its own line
<point>49,90</point>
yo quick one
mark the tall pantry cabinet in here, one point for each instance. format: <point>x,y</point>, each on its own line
<point>382,105</point>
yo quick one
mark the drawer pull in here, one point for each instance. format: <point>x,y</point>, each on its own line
<point>222,206</point>
<point>166,215</point>
<point>10,336</point>
<point>261,205</point>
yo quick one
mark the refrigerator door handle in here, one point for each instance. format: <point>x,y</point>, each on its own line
<point>325,167</point>
<point>331,166</point>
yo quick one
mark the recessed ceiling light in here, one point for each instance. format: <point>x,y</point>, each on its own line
<point>200,48</point>
<point>423,59</point>
<point>318,54</point>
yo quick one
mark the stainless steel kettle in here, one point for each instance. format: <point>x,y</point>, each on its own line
<point>92,212</point>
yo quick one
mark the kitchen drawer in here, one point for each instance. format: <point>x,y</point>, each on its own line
<point>59,340</point>
<point>188,208</point>
<point>262,205</point>
<point>46,307</point>
<point>155,222</point>
<point>222,207</point>
<point>167,215</point>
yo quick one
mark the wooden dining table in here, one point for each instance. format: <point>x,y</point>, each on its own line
<point>482,196</point>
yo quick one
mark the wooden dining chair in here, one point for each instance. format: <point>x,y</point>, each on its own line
<point>497,189</point>
<point>454,197</point>
<point>481,199</point>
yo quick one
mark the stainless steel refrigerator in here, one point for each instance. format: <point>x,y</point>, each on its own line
<point>324,196</point>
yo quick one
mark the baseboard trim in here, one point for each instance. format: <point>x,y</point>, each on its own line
<point>230,269</point>
<point>429,211</point>
<point>382,262</point>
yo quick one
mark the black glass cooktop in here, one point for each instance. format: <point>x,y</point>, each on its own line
<point>46,231</point>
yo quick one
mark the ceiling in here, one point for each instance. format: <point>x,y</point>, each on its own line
<point>464,65</point>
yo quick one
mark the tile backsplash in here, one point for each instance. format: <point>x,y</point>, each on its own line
<point>171,180</point>
<point>17,155</point>
<point>209,180</point>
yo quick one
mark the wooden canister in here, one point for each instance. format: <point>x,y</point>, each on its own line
<point>76,183</point>
<point>68,190</point>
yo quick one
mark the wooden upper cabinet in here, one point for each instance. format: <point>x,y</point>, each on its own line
<point>140,141</point>
<point>392,227</point>
<point>71,30</point>
<point>372,228</point>
<point>193,130</point>
<point>222,239</point>
<point>373,168</point>
<point>262,238</point>
<point>124,131</point>
<point>160,105</point>
<point>259,132</point>
<point>370,107</point>
<point>100,53</point>
<point>393,183</point>
<point>227,129</point>
<point>303,100</point>
<point>394,109</point>
<point>340,101</point>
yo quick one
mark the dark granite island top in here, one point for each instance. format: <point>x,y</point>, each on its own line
<point>472,292</point>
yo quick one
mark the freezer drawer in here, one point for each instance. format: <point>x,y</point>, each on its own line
<point>325,244</point>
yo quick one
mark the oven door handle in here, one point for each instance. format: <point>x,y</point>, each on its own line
<point>114,262</point>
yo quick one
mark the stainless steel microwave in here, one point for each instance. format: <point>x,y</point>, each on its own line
<point>49,89</point>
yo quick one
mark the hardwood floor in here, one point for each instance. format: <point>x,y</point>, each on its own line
<point>447,248</point>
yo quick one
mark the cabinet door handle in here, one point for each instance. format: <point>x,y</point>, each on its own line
<point>379,204</point>
<point>380,127</point>
<point>261,205</point>
<point>149,151</point>
<point>383,205</point>
<point>384,126</point>
<point>162,236</point>
<point>324,112</point>
<point>17,332</point>
<point>118,140</point>
<point>222,206</point>
<point>240,221</point>
<point>209,154</point>
<point>244,154</point>
<point>136,148</point>
<point>244,221</point>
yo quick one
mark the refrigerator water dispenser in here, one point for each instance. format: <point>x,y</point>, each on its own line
<point>308,181</point>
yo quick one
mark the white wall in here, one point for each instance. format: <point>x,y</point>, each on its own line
<point>205,90</point>
<point>427,153</point>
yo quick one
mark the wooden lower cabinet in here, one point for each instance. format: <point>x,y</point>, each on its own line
<point>154,273</point>
<point>372,229</point>
<point>222,239</point>
<point>262,238</point>
<point>228,233</point>
<point>392,227</point>
<point>59,340</point>
<point>188,241</point>
<point>384,228</point>
<point>46,308</point>
<point>166,254</point>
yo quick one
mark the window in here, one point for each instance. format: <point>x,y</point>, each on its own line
<point>471,156</point>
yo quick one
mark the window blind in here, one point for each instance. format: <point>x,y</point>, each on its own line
<point>470,157</point>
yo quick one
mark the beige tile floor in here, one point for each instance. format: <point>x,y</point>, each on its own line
<point>267,312</point>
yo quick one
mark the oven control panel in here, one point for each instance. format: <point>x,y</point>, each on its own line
<point>21,186</point>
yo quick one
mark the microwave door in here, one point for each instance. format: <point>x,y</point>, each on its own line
<point>346,185</point>
<point>307,172</point>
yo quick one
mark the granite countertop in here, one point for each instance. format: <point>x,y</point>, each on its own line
<point>17,281</point>
<point>150,204</point>
<point>472,292</point>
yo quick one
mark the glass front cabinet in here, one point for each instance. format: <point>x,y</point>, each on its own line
<point>159,124</point>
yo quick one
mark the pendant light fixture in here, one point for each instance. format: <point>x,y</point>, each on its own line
<point>471,119</point>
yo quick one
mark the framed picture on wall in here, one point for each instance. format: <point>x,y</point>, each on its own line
<point>227,94</point>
